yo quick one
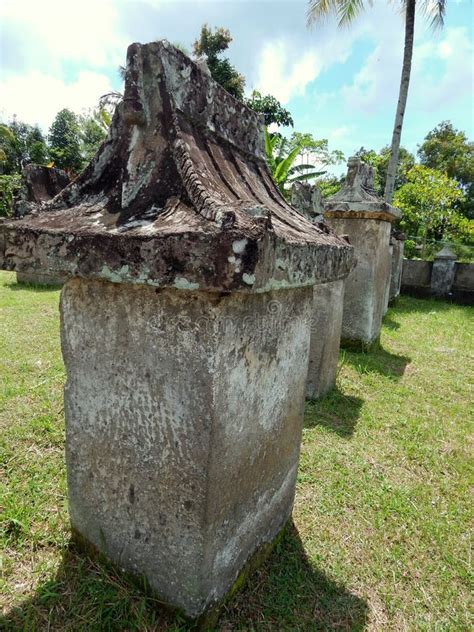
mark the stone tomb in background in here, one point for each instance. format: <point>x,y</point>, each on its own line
<point>185,330</point>
<point>356,211</point>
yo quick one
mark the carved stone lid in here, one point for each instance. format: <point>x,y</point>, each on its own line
<point>178,195</point>
<point>446,253</point>
<point>357,197</point>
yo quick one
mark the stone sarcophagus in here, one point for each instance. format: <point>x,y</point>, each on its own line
<point>185,330</point>
<point>326,321</point>
<point>356,211</point>
<point>39,184</point>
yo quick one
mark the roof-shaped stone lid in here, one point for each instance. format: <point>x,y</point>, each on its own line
<point>446,253</point>
<point>357,197</point>
<point>39,184</point>
<point>178,194</point>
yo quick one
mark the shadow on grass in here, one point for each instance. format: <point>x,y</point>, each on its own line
<point>378,361</point>
<point>14,286</point>
<point>389,322</point>
<point>336,412</point>
<point>286,593</point>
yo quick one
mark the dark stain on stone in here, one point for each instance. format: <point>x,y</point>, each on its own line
<point>131,494</point>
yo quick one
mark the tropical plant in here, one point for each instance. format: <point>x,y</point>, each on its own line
<point>209,46</point>
<point>282,154</point>
<point>449,150</point>
<point>380,161</point>
<point>346,11</point>
<point>427,202</point>
<point>65,142</point>
<point>9,187</point>
<point>271,108</point>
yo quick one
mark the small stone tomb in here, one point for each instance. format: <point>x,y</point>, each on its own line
<point>358,212</point>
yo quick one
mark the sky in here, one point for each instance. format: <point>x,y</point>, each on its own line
<point>339,84</point>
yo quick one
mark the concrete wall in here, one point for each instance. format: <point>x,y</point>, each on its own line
<point>417,274</point>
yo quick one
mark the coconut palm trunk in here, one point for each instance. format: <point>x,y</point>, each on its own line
<point>402,98</point>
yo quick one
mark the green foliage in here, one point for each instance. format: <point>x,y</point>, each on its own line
<point>271,109</point>
<point>380,162</point>
<point>65,141</point>
<point>21,143</point>
<point>427,201</point>
<point>329,185</point>
<point>9,187</point>
<point>93,130</point>
<point>282,154</point>
<point>209,46</point>
<point>449,150</point>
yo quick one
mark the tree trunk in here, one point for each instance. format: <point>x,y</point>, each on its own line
<point>402,99</point>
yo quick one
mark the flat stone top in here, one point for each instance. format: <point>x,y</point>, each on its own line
<point>357,196</point>
<point>179,194</point>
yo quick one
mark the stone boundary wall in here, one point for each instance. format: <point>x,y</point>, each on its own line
<point>416,280</point>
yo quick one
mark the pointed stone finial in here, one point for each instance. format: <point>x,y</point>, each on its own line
<point>446,253</point>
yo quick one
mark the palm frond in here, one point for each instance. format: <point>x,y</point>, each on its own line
<point>306,176</point>
<point>435,11</point>
<point>346,11</point>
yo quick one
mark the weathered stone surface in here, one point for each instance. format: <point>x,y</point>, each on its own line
<point>307,199</point>
<point>179,195</point>
<point>328,301</point>
<point>183,427</point>
<point>40,184</point>
<point>416,273</point>
<point>397,241</point>
<point>185,332</point>
<point>444,270</point>
<point>356,211</point>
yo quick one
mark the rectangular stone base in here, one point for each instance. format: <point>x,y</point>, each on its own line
<point>208,619</point>
<point>183,425</point>
<point>366,288</point>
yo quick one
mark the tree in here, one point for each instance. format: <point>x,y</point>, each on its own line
<point>283,155</point>
<point>347,11</point>
<point>209,46</point>
<point>271,108</point>
<point>93,130</point>
<point>427,201</point>
<point>449,150</point>
<point>20,144</point>
<point>380,162</point>
<point>65,141</point>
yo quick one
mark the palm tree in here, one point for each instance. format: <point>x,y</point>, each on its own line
<point>346,11</point>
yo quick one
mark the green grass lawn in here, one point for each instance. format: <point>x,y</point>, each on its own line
<point>381,534</point>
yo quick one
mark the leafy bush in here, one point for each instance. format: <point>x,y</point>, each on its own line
<point>9,187</point>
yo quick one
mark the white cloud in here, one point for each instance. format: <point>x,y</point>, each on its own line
<point>37,97</point>
<point>278,76</point>
<point>65,29</point>
<point>440,74</point>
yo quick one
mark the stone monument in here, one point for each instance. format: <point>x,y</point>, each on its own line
<point>185,331</point>
<point>328,303</point>
<point>443,273</point>
<point>397,241</point>
<point>39,184</point>
<point>358,212</point>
